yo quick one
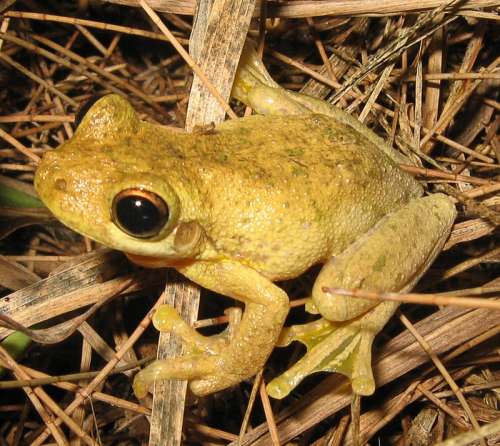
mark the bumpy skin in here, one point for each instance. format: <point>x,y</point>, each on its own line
<point>256,200</point>
<point>275,193</point>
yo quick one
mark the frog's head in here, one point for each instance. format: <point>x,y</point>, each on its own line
<point>102,184</point>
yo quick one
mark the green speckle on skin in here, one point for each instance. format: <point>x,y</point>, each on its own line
<point>318,214</point>
<point>296,151</point>
<point>298,171</point>
<point>379,264</point>
<point>244,134</point>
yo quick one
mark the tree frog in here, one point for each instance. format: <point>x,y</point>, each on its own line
<point>255,200</point>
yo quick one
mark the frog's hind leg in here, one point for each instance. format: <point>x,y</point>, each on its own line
<point>390,257</point>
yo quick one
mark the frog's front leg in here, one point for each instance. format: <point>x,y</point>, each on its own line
<point>251,342</point>
<point>392,256</point>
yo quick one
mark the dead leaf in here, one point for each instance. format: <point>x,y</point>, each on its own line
<point>15,276</point>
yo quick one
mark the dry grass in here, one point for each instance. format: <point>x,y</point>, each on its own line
<point>425,79</point>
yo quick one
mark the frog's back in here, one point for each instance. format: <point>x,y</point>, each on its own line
<point>285,192</point>
<point>313,153</point>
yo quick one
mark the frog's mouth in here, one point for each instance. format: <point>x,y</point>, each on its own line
<point>156,262</point>
<point>146,261</point>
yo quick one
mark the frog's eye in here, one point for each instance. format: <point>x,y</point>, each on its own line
<point>139,213</point>
<point>85,107</point>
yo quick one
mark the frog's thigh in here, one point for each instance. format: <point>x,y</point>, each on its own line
<point>252,340</point>
<point>392,256</point>
<point>273,101</point>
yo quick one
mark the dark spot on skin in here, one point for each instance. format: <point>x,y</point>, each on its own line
<point>222,157</point>
<point>60,184</point>
<point>207,129</point>
<point>171,151</point>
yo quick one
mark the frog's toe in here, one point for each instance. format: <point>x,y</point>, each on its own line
<point>140,385</point>
<point>332,347</point>
<point>167,319</point>
<point>185,367</point>
<point>207,373</point>
<point>213,383</point>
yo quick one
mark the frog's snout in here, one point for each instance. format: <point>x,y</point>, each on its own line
<point>54,179</point>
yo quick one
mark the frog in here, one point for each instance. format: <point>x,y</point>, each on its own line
<point>250,203</point>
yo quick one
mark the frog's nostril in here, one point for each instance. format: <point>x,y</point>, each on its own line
<point>60,184</point>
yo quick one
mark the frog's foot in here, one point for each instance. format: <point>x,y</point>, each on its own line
<point>211,368</point>
<point>343,347</point>
<point>167,319</point>
<point>212,364</point>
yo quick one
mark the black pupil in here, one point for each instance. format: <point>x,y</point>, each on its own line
<point>139,216</point>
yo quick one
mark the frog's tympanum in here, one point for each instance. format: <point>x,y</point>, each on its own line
<point>254,201</point>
